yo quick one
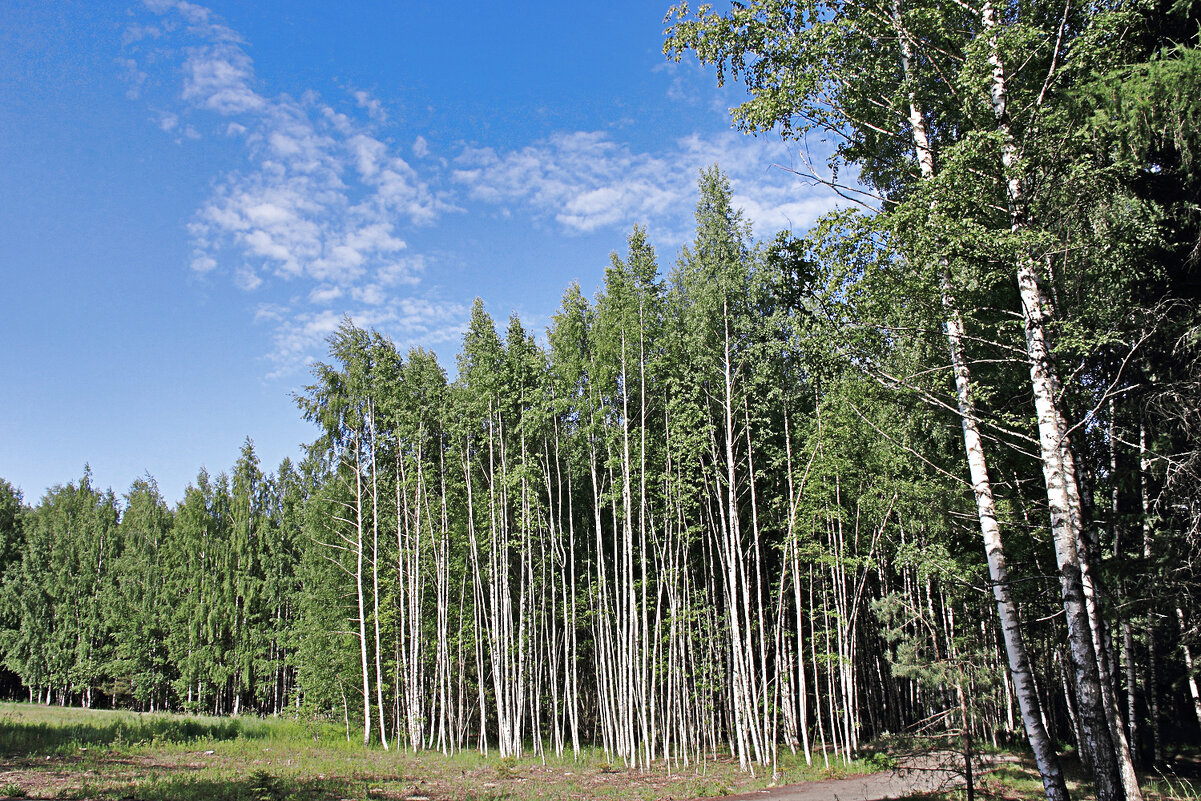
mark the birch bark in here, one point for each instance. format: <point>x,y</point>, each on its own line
<point>973,442</point>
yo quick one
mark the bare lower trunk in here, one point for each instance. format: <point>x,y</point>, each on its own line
<point>1190,676</point>
<point>1007,614</point>
<point>966,741</point>
<point>379,672</point>
<point>1011,627</point>
<point>358,579</point>
<point>1113,771</point>
<point>1151,690</point>
<point>1131,684</point>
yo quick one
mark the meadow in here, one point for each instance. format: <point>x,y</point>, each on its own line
<point>49,752</point>
<point>70,753</point>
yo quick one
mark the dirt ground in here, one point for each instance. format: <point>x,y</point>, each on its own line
<point>94,775</point>
<point>912,776</point>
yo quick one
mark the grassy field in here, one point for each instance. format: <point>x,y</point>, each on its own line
<point>51,752</point>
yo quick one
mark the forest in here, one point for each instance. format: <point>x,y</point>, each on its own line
<point>930,467</point>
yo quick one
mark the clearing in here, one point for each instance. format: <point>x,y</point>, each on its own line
<point>59,753</point>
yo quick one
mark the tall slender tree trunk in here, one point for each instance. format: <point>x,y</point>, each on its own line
<point>1105,742</point>
<point>973,441</point>
<point>375,511</point>
<point>1189,675</point>
<point>1127,651</point>
<point>1151,691</point>
<point>358,579</point>
<point>740,633</point>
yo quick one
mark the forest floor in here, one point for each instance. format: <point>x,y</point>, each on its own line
<point>926,775</point>
<point>56,753</point>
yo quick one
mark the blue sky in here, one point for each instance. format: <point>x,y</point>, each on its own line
<point>194,195</point>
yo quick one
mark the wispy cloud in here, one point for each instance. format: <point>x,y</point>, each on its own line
<point>300,332</point>
<point>375,109</point>
<point>322,201</point>
<point>315,222</point>
<point>585,181</point>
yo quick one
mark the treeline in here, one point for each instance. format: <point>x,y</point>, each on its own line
<point>1032,167</point>
<point>739,504</point>
<point>127,602</point>
<point>685,524</point>
<point>665,532</point>
<point>675,528</point>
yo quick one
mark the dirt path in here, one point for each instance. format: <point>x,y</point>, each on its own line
<point>920,775</point>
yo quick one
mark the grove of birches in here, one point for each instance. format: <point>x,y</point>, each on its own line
<point>929,467</point>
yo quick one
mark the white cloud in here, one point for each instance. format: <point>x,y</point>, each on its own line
<point>247,279</point>
<point>371,294</point>
<point>218,77</point>
<point>134,77</point>
<point>137,32</point>
<point>367,153</point>
<point>586,180</point>
<point>404,271</point>
<point>684,86</point>
<point>323,199</point>
<point>300,335</point>
<point>774,211</point>
<point>325,294</point>
<point>430,322</point>
<point>374,108</point>
<point>320,199</point>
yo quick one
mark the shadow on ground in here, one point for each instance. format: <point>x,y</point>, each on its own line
<point>258,787</point>
<point>40,739</point>
<point>55,780</point>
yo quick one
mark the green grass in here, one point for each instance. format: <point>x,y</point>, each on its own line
<point>52,752</point>
<point>40,731</point>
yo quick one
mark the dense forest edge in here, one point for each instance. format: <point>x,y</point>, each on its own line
<point>737,506</point>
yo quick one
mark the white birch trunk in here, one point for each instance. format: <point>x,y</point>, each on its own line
<point>1104,739</point>
<point>1190,676</point>
<point>358,579</point>
<point>1011,628</point>
<point>379,670</point>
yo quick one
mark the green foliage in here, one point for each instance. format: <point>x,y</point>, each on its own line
<point>262,786</point>
<point>1143,111</point>
<point>19,735</point>
<point>140,670</point>
<point>721,508</point>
